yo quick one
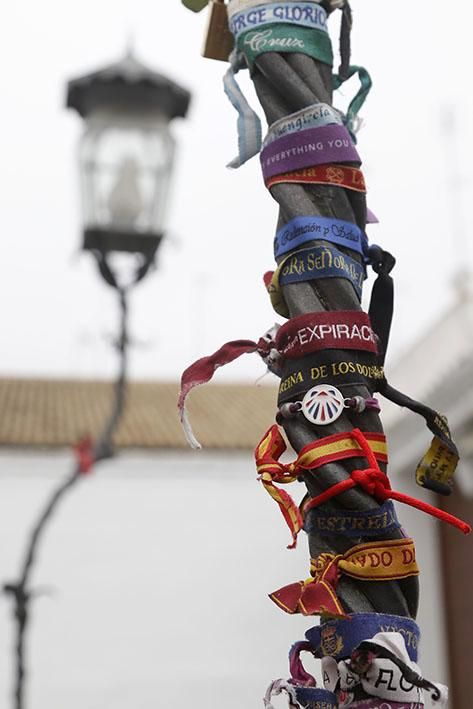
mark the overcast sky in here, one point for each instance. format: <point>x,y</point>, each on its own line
<point>57,314</point>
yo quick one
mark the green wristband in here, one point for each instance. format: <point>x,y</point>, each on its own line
<point>283,38</point>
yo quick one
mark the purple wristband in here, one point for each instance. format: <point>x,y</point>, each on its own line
<point>376,703</point>
<point>307,148</point>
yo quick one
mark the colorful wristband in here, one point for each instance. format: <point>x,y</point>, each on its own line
<point>338,638</point>
<point>300,230</point>
<point>236,6</point>
<point>341,370</point>
<point>353,524</point>
<point>308,148</point>
<point>312,264</point>
<point>283,38</point>
<point>315,116</point>
<point>303,14</point>
<point>313,332</point>
<point>351,178</point>
<point>374,561</point>
<point>376,703</point>
<point>313,698</point>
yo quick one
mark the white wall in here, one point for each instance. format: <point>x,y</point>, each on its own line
<point>160,566</point>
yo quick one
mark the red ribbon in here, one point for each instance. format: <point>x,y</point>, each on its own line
<point>84,453</point>
<point>376,483</point>
<point>312,332</point>
<point>203,370</point>
<point>314,597</point>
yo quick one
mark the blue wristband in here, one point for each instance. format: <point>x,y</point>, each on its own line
<point>338,638</point>
<point>300,230</point>
<point>316,698</point>
<point>321,262</point>
<point>348,523</point>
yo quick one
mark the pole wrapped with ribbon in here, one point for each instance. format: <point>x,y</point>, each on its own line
<point>313,171</point>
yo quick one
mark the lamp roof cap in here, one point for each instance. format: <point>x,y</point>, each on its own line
<point>127,85</point>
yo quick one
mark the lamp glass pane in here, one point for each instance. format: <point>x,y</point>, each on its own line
<point>126,163</point>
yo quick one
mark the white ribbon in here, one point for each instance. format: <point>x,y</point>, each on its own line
<point>383,679</point>
<point>248,124</point>
<point>277,687</point>
<point>319,114</point>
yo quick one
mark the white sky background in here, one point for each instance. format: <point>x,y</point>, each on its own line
<point>57,312</point>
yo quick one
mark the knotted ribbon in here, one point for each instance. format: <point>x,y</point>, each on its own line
<point>376,561</point>
<point>340,446</point>
<point>336,447</point>
<point>376,483</point>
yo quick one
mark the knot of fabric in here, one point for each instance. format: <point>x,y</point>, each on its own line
<point>312,456</point>
<point>376,484</point>
<point>377,561</point>
<point>373,481</point>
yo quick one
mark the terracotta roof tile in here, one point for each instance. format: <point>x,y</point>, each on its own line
<point>46,412</point>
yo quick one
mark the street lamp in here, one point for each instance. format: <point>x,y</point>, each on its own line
<point>126,155</point>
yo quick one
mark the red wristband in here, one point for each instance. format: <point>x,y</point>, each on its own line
<point>341,330</point>
<point>339,175</point>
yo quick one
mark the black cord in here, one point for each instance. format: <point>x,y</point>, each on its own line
<point>20,591</point>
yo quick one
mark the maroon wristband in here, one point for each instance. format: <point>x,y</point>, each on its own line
<point>340,329</point>
<point>307,148</point>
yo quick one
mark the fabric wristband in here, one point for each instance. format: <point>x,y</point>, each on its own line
<point>353,524</point>
<point>312,264</point>
<point>338,638</point>
<point>333,367</point>
<point>248,122</point>
<point>351,178</point>
<point>303,14</point>
<point>283,38</point>
<point>236,6</point>
<point>336,447</point>
<point>314,116</point>
<point>373,561</point>
<point>313,698</point>
<point>339,446</point>
<point>339,329</point>
<point>381,667</point>
<point>302,229</point>
<point>376,703</point>
<point>308,148</point>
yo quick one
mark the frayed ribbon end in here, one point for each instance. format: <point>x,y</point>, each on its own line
<point>187,428</point>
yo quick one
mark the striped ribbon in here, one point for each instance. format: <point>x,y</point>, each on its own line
<point>339,446</point>
<point>270,471</point>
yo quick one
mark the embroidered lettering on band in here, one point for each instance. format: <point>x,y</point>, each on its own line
<point>304,14</point>
<point>300,230</point>
<point>308,148</point>
<point>236,6</point>
<point>338,638</point>
<point>283,38</point>
<point>340,329</point>
<point>369,523</point>
<point>337,368</point>
<point>374,561</point>
<point>315,116</point>
<point>310,264</point>
<point>351,178</point>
